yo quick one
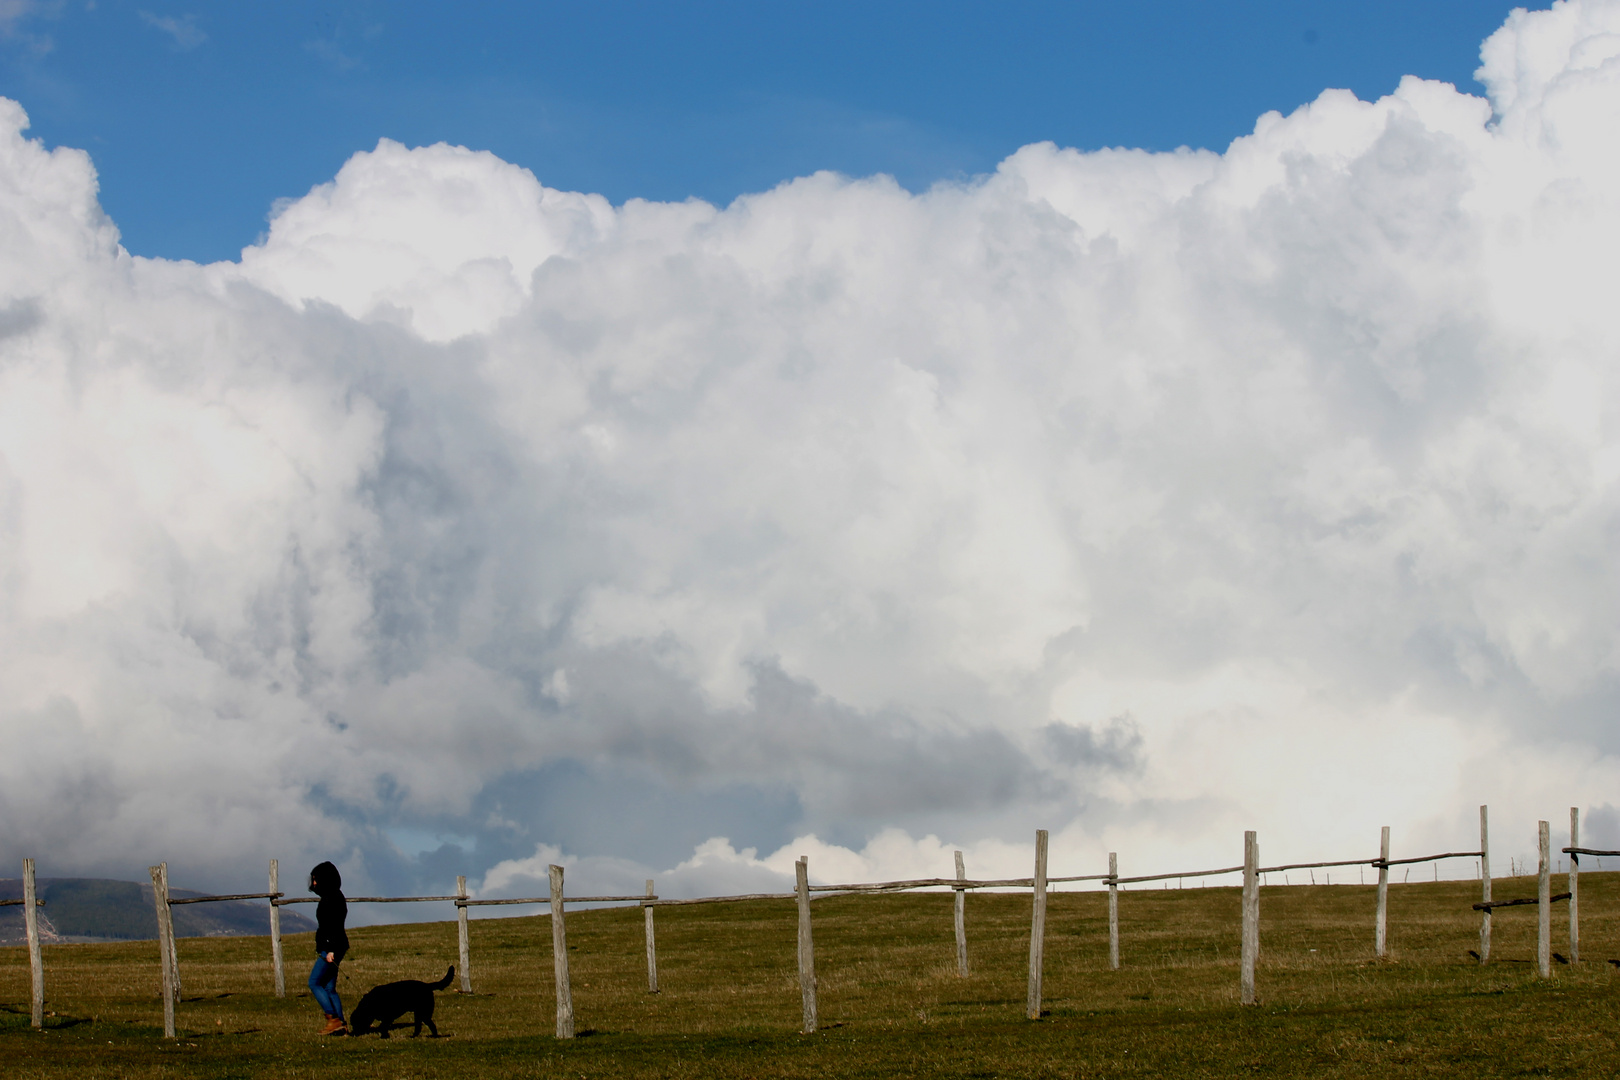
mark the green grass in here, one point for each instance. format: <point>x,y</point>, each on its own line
<point>891,1002</point>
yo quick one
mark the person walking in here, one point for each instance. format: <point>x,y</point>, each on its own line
<point>331,942</point>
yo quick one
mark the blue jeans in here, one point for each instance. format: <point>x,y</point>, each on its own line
<point>323,984</point>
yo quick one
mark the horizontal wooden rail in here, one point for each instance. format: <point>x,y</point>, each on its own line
<point>1315,865</point>
<point>935,883</point>
<point>1288,866</point>
<point>1077,877</point>
<point>18,903</point>
<point>1167,877</point>
<point>1516,903</point>
<point>725,899</point>
<point>1587,851</point>
<point>1428,858</point>
<point>367,900</point>
<point>547,900</point>
<point>604,899</point>
<point>886,886</point>
<point>234,896</point>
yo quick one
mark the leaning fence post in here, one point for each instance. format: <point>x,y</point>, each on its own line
<point>464,949</point>
<point>275,930</point>
<point>807,948</point>
<point>652,947</point>
<point>559,957</point>
<point>961,919</point>
<point>1037,929</point>
<point>1485,884</point>
<point>1544,903</point>
<point>1381,927</point>
<point>161,904</point>
<point>36,964</point>
<point>168,925</point>
<point>1113,910</point>
<point>1251,915</point>
<point>1574,886</point>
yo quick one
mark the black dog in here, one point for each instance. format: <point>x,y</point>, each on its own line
<point>384,1004</point>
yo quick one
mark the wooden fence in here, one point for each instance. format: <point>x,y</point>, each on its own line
<point>1039,885</point>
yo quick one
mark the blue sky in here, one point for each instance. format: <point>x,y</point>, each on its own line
<point>200,115</point>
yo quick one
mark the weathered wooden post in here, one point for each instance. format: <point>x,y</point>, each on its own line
<point>161,904</point>
<point>1381,929</point>
<point>167,913</point>
<point>807,947</point>
<point>36,963</point>
<point>1251,916</point>
<point>1574,886</point>
<point>559,957</point>
<point>961,919</point>
<point>464,947</point>
<point>652,947</point>
<point>1113,910</point>
<point>1485,884</point>
<point>1037,929</point>
<point>1544,902</point>
<point>275,930</point>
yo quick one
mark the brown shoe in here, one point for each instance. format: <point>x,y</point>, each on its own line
<point>334,1026</point>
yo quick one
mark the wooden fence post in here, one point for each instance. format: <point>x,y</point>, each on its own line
<point>1037,929</point>
<point>1485,884</point>
<point>1113,910</point>
<point>1544,903</point>
<point>652,946</point>
<point>168,926</point>
<point>1251,915</point>
<point>464,949</point>
<point>961,920</point>
<point>161,904</point>
<point>169,923</point>
<point>559,957</point>
<point>36,963</point>
<point>807,947</point>
<point>1574,886</point>
<point>1381,927</point>
<point>275,931</point>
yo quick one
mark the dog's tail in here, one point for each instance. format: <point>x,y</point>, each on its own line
<point>444,982</point>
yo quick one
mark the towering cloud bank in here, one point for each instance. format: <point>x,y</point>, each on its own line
<point>1146,497</point>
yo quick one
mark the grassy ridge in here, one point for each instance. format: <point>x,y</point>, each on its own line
<point>891,1003</point>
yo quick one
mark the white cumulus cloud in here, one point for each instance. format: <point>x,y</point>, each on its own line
<point>1144,497</point>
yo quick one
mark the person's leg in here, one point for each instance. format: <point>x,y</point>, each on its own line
<point>332,993</point>
<point>323,985</point>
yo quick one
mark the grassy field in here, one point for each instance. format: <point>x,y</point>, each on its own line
<point>891,1002</point>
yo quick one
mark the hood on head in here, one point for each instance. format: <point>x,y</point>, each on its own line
<point>325,879</point>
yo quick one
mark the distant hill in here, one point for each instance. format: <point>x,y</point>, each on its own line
<point>97,909</point>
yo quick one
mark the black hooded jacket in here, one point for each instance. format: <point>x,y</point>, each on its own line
<point>330,914</point>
